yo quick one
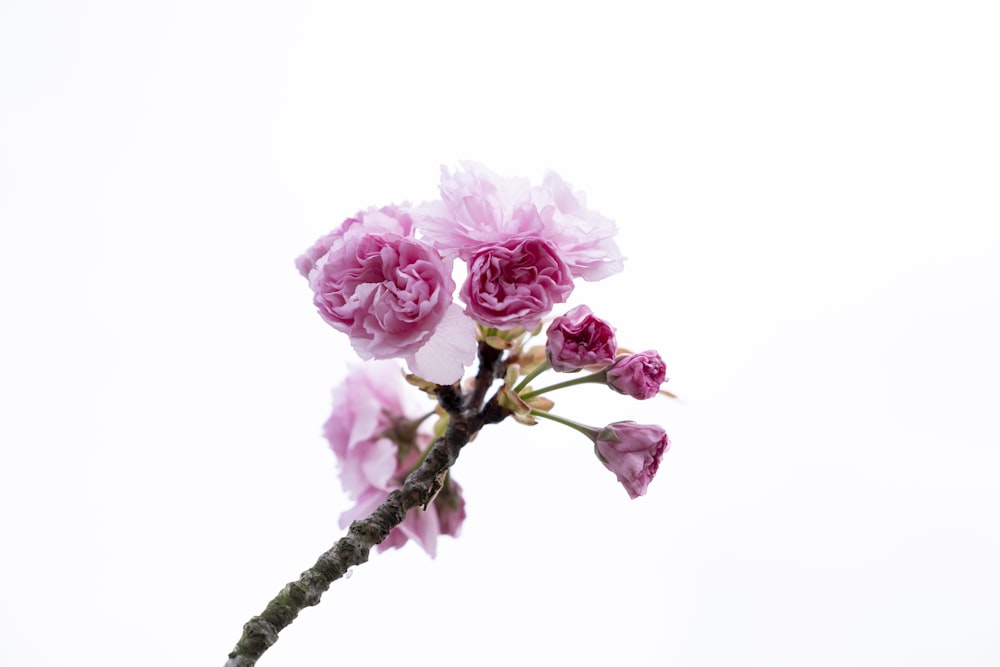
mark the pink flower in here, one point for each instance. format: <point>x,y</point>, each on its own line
<point>374,436</point>
<point>306,262</point>
<point>391,294</point>
<point>585,238</point>
<point>633,452</point>
<point>578,339</point>
<point>366,405</point>
<point>639,375</point>
<point>480,208</point>
<point>515,282</point>
<point>394,219</point>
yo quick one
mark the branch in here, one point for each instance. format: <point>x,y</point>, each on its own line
<point>418,490</point>
<point>491,367</point>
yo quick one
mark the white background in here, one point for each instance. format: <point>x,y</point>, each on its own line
<point>807,194</point>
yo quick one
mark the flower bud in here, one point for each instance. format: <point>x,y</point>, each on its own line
<point>578,339</point>
<point>633,452</point>
<point>639,375</point>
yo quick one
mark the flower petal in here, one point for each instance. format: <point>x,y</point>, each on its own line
<point>451,348</point>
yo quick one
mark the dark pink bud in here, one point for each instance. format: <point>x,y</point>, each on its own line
<point>639,375</point>
<point>632,452</point>
<point>578,339</point>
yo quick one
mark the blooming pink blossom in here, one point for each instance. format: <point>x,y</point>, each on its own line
<point>479,208</point>
<point>639,375</point>
<point>578,339</point>
<point>387,292</point>
<point>393,219</point>
<point>391,294</point>
<point>515,282</point>
<point>633,452</point>
<point>584,237</point>
<point>306,262</point>
<point>374,436</point>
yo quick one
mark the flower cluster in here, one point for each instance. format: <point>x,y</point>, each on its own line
<point>385,278</point>
<point>579,340</point>
<point>377,439</point>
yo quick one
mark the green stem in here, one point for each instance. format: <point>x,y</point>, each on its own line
<point>539,369</point>
<point>588,431</point>
<point>599,376</point>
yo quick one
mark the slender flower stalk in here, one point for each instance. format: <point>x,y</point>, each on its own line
<point>538,370</point>
<point>599,376</point>
<point>631,451</point>
<point>588,431</point>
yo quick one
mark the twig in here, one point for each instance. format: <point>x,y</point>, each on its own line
<point>418,490</point>
<point>490,368</point>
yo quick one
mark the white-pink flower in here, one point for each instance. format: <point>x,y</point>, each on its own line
<point>584,237</point>
<point>480,208</point>
<point>374,434</point>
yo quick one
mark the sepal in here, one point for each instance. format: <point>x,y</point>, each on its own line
<point>423,385</point>
<point>508,399</point>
